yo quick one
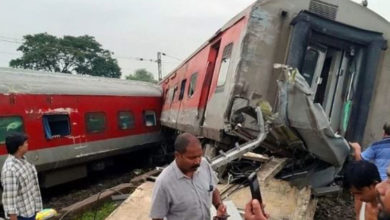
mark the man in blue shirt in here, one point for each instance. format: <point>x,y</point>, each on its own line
<point>378,153</point>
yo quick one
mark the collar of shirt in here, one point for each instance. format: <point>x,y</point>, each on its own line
<point>179,173</point>
<point>23,159</point>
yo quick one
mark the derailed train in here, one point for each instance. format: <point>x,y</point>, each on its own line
<point>340,49</point>
<point>74,121</point>
<point>338,46</point>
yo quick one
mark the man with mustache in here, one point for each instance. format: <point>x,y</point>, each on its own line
<point>187,187</point>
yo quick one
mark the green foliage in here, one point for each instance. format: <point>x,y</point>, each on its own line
<point>81,55</point>
<point>102,212</point>
<point>142,75</point>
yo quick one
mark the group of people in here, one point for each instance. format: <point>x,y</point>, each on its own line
<point>368,178</point>
<point>186,189</point>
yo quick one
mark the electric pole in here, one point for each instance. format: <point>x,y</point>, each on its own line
<point>159,66</point>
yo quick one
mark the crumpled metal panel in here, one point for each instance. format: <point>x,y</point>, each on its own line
<point>296,107</point>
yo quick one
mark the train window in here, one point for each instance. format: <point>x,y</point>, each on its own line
<point>10,124</point>
<point>169,96</point>
<point>56,125</point>
<point>125,120</point>
<point>309,65</point>
<point>95,121</point>
<point>150,118</point>
<point>174,93</point>
<point>182,88</point>
<point>192,86</point>
<point>166,94</point>
<point>223,70</point>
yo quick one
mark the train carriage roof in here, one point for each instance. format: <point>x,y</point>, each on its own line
<point>248,10</point>
<point>38,82</point>
<point>229,24</point>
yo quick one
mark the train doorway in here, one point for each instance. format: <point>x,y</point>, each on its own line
<point>339,62</point>
<point>331,74</point>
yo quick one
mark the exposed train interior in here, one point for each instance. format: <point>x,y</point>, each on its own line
<point>340,63</point>
<point>332,73</point>
<point>339,66</point>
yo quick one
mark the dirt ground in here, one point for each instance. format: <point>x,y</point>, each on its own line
<point>335,207</point>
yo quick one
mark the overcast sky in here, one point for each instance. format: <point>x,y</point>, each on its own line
<point>129,28</point>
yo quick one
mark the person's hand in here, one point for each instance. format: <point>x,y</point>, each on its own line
<point>357,150</point>
<point>355,146</point>
<point>13,217</point>
<point>253,211</point>
<point>221,211</point>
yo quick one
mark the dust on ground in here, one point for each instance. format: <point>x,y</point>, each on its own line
<point>335,207</point>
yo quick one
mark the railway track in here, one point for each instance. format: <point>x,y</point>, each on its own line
<point>122,171</point>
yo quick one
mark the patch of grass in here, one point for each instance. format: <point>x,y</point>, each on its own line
<point>102,212</point>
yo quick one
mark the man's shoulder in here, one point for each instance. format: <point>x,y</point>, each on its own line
<point>205,165</point>
<point>166,175</point>
<point>381,143</point>
<point>9,165</point>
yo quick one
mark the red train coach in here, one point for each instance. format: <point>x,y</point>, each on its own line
<point>73,120</point>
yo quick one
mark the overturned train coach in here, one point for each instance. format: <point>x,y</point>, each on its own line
<point>317,69</point>
<point>76,121</point>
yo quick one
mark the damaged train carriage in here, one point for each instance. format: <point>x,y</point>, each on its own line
<point>339,47</point>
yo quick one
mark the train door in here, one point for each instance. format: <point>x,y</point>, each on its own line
<point>190,116</point>
<point>327,70</point>
<point>339,63</point>
<point>212,58</point>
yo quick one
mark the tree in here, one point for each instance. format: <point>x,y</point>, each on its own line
<point>77,55</point>
<point>142,75</point>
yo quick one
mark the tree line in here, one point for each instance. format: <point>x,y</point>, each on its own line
<point>73,55</point>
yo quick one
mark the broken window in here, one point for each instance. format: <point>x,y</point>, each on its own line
<point>10,124</point>
<point>56,125</point>
<point>95,121</point>
<point>192,86</point>
<point>125,120</point>
<point>223,70</point>
<point>150,118</point>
